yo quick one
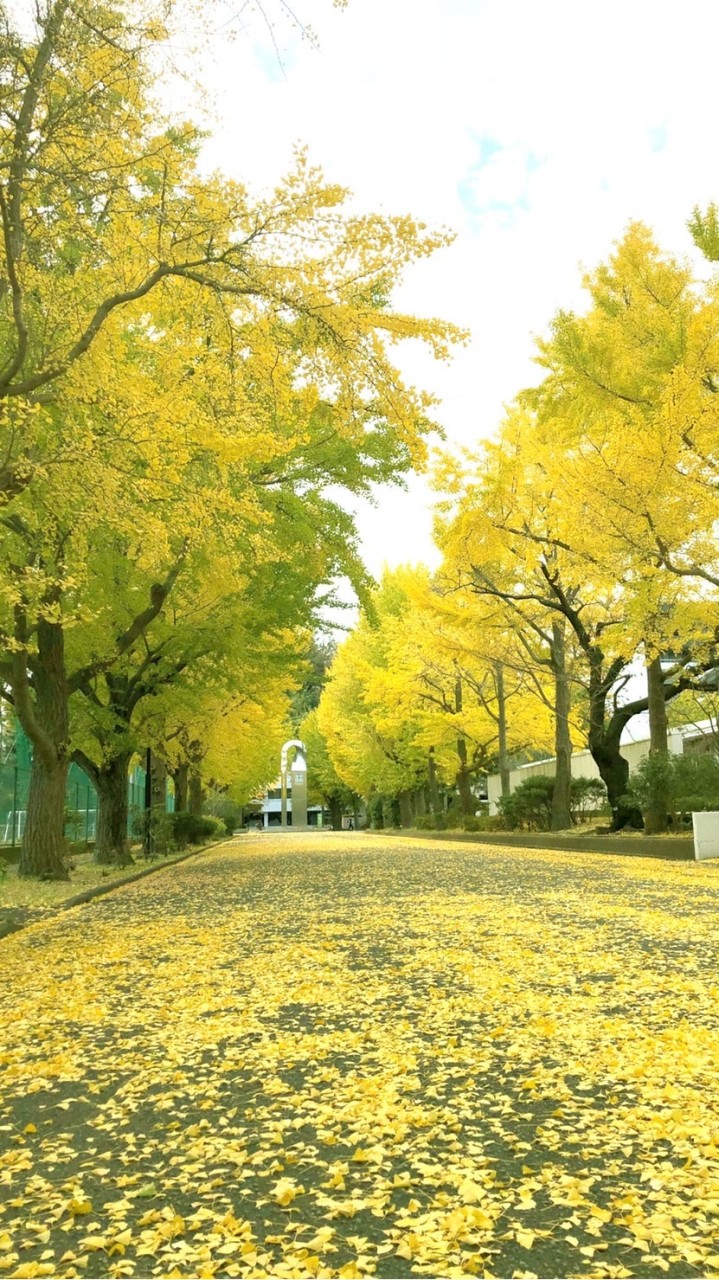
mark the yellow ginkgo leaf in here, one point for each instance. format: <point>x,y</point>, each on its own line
<point>284,1191</point>
<point>469,1192</point>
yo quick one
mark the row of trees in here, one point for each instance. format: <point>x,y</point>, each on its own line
<point>426,695</point>
<point>188,377</point>
<point>578,543</point>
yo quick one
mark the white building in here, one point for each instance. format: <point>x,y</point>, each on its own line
<point>269,809</point>
<point>690,737</point>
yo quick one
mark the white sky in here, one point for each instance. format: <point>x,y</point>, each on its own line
<point>536,131</point>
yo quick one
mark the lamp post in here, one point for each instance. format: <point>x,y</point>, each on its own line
<point>147,841</point>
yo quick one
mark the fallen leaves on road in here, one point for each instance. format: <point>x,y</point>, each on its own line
<point>333,1057</point>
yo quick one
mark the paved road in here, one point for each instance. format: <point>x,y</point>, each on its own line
<point>319,1055</point>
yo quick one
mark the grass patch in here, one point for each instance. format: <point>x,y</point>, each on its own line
<point>16,891</point>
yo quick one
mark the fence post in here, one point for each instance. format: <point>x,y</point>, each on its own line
<point>14,805</point>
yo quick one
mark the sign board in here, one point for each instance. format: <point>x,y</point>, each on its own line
<point>706,835</point>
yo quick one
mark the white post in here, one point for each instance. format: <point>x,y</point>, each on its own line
<point>706,835</point>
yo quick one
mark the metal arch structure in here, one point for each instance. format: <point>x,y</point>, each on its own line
<point>293,742</point>
<point>299,783</point>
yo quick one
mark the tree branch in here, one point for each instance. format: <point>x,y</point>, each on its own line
<point>138,626</point>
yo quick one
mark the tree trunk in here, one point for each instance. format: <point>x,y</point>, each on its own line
<point>561,798</point>
<point>46,725</point>
<point>335,808</point>
<point>466,799</point>
<point>503,755</point>
<point>111,842</point>
<point>160,828</point>
<point>179,777</point>
<point>420,802</point>
<point>159,783</point>
<point>43,847</point>
<point>405,808</point>
<point>388,813</point>
<point>196,797</point>
<point>148,835</point>
<point>464,789</point>
<point>614,772</point>
<point>434,803</point>
<point>604,742</point>
<point>657,809</point>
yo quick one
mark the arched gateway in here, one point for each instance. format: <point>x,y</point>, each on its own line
<point>297,778</point>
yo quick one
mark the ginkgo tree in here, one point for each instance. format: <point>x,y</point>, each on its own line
<point>213,655</point>
<point>372,743</point>
<point>516,536</point>
<point>471,679</point>
<point>632,381</point>
<point>420,694</point>
<point>589,512</point>
<point>168,338</point>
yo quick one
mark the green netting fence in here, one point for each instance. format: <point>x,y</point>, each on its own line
<point>80,799</point>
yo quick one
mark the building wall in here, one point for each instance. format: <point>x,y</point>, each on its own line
<point>583,766</point>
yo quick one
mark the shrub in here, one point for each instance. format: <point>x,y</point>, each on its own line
<point>689,783</point>
<point>485,822</point>
<point>586,795</point>
<point>219,805</point>
<point>426,822</point>
<point>75,822</point>
<point>510,811</point>
<point>471,822</point>
<point>137,821</point>
<point>188,828</point>
<point>375,814</point>
<point>3,868</point>
<point>530,805</point>
<point>454,819</point>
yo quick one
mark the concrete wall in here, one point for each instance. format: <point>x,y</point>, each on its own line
<point>583,765</point>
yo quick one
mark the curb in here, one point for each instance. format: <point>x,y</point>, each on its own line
<point>99,890</point>
<point>665,849</point>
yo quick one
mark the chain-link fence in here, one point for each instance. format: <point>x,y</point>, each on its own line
<point>80,793</point>
<point>80,803</point>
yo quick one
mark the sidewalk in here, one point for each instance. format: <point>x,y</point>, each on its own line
<point>670,848</point>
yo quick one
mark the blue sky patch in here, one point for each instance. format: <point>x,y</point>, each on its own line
<point>658,136</point>
<point>475,189</point>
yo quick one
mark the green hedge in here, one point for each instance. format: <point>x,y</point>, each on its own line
<point>687,783</point>
<point>458,822</point>
<point>187,828</point>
